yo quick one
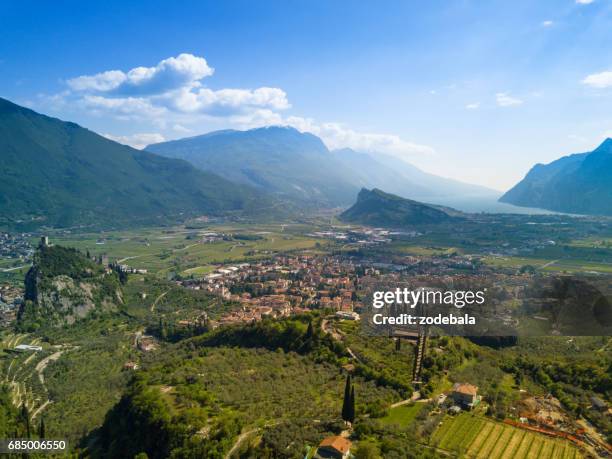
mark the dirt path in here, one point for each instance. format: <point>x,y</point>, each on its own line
<point>129,258</point>
<point>8,270</point>
<point>243,436</point>
<point>157,300</point>
<point>40,408</point>
<point>550,263</point>
<point>40,367</point>
<point>416,396</point>
<point>186,247</point>
<point>327,328</point>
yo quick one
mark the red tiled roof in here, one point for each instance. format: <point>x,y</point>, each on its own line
<point>465,388</point>
<point>340,444</point>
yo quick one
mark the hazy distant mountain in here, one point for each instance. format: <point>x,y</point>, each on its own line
<point>280,160</point>
<point>299,166</point>
<point>58,173</point>
<point>402,178</point>
<point>377,208</point>
<point>368,172</point>
<point>579,183</point>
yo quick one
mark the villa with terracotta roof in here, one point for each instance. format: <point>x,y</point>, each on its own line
<point>335,447</point>
<point>465,395</point>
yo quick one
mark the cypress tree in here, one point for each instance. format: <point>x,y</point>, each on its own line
<point>25,416</point>
<point>398,344</point>
<point>351,411</point>
<point>309,331</point>
<point>163,331</point>
<point>41,428</point>
<point>347,399</point>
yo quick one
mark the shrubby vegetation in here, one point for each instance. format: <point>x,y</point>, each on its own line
<point>301,334</point>
<point>287,439</point>
<point>273,373</point>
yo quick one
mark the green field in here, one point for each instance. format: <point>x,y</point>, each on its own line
<point>477,437</point>
<point>570,265</point>
<point>403,415</point>
<point>178,250</point>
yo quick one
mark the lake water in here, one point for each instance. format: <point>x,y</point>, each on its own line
<point>487,205</point>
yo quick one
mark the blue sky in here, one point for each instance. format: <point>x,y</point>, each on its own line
<point>474,90</point>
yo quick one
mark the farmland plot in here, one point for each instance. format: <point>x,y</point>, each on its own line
<point>478,437</point>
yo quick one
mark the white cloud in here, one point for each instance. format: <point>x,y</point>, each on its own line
<point>122,107</point>
<point>104,81</point>
<point>504,100</point>
<point>584,2</point>
<point>337,135</point>
<point>185,70</point>
<point>174,85</point>
<point>473,106</point>
<point>599,80</point>
<point>225,101</point>
<point>139,141</point>
<point>547,23</point>
<point>170,97</point>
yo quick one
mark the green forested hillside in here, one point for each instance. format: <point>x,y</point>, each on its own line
<point>56,173</point>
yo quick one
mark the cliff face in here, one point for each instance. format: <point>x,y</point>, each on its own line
<point>63,286</point>
<point>579,183</point>
<point>377,208</point>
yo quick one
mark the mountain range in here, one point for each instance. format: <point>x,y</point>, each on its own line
<point>57,173</point>
<point>298,166</point>
<point>377,208</point>
<point>579,183</point>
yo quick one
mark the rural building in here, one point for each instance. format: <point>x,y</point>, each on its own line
<point>465,395</point>
<point>130,366</point>
<point>598,404</point>
<point>346,315</point>
<point>334,448</point>
<point>27,347</point>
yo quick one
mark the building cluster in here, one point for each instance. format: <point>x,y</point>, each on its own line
<point>16,246</point>
<point>361,236</point>
<point>291,284</point>
<point>284,285</point>
<point>10,299</point>
<point>127,269</point>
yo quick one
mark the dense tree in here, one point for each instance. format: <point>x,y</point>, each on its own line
<point>347,400</point>
<point>367,450</point>
<point>309,331</point>
<point>41,428</point>
<point>351,411</point>
<point>25,418</point>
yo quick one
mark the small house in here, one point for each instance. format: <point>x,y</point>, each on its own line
<point>335,447</point>
<point>465,395</point>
